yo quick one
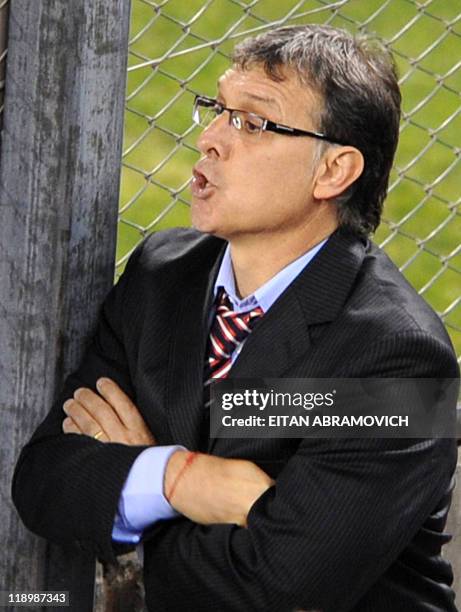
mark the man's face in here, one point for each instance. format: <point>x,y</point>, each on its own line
<point>259,184</point>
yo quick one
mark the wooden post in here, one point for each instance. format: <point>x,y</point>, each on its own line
<point>59,189</point>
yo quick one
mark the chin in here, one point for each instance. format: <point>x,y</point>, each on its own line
<point>206,227</point>
<point>203,216</point>
<point>210,218</point>
<point>201,223</point>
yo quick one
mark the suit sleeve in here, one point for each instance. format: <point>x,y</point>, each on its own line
<point>66,487</point>
<point>340,513</point>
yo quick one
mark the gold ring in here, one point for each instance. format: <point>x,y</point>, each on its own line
<point>98,435</point>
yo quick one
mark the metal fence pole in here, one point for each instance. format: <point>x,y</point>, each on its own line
<point>59,188</point>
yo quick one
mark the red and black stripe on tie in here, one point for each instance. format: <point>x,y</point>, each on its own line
<point>228,331</point>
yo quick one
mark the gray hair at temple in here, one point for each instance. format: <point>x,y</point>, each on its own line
<point>356,79</point>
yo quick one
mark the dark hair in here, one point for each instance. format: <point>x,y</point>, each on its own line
<point>357,80</point>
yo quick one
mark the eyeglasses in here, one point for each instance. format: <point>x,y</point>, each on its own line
<point>207,109</point>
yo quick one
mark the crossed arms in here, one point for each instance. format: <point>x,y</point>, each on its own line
<point>337,516</point>
<point>212,490</point>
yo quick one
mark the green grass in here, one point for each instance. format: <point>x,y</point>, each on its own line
<point>421,225</point>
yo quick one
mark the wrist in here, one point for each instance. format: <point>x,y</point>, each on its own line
<point>173,469</point>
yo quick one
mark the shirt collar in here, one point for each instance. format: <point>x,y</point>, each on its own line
<point>266,295</point>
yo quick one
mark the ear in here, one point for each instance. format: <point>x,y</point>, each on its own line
<point>338,169</point>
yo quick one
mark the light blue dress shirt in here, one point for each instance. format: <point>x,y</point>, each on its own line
<point>142,501</point>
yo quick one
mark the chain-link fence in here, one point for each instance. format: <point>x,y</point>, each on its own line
<point>178,49</point>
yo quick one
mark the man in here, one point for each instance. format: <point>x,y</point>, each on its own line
<point>295,164</point>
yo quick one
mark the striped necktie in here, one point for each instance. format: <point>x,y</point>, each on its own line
<point>228,331</point>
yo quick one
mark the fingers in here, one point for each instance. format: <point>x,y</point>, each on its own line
<point>99,410</point>
<point>121,403</point>
<point>91,428</point>
<point>78,420</point>
<point>111,414</point>
<point>92,414</point>
<point>69,426</point>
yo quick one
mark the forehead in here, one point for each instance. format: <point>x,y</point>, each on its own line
<point>253,85</point>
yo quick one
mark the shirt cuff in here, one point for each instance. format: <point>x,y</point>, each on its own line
<point>121,534</point>
<point>142,501</point>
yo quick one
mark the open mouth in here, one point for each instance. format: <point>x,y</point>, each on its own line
<point>201,186</point>
<point>200,179</point>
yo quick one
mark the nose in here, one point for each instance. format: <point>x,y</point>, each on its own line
<point>215,140</point>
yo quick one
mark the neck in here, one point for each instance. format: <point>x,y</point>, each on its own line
<point>271,253</point>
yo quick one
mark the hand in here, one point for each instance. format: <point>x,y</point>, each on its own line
<point>112,413</point>
<point>213,489</point>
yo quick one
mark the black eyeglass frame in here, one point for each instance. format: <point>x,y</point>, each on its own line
<point>268,126</point>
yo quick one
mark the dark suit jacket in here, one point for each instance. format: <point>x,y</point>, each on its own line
<point>351,524</point>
